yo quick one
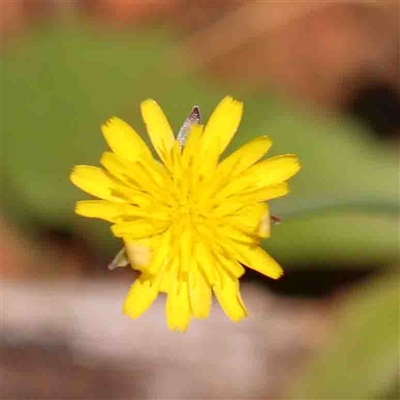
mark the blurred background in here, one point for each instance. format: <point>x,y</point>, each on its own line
<point>321,79</point>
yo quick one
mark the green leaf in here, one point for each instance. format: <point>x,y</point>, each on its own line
<point>352,239</point>
<point>361,361</point>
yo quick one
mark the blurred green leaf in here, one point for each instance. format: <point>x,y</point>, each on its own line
<point>361,361</point>
<point>339,238</point>
<point>61,83</point>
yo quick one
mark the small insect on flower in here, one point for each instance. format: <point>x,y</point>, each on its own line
<point>190,220</point>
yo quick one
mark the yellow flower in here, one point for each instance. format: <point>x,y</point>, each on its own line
<point>189,220</point>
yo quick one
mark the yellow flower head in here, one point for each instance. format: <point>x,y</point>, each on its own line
<point>189,220</point>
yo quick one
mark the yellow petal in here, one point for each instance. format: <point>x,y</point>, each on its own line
<point>244,157</point>
<point>206,174</point>
<point>139,253</point>
<point>158,129</point>
<point>248,219</point>
<point>95,181</point>
<point>176,162</point>
<point>259,260</point>
<point>270,172</point>
<point>227,293</point>
<point>117,167</point>
<point>133,175</point>
<point>217,250</point>
<point>178,307</point>
<point>169,275</point>
<point>273,170</point>
<point>161,250</point>
<point>263,194</point>
<point>222,125</point>
<point>231,265</point>
<point>206,260</point>
<point>232,232</point>
<point>124,141</point>
<point>159,173</point>
<point>186,248</point>
<point>104,209</point>
<point>264,228</point>
<point>191,148</point>
<point>247,215</point>
<point>228,206</point>
<point>138,229</point>
<point>140,297</point>
<point>191,161</point>
<point>200,293</point>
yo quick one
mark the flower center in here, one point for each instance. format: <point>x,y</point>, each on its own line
<point>188,210</point>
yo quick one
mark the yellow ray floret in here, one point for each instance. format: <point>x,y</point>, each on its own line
<point>190,221</point>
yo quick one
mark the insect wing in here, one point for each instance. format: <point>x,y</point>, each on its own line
<point>193,118</point>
